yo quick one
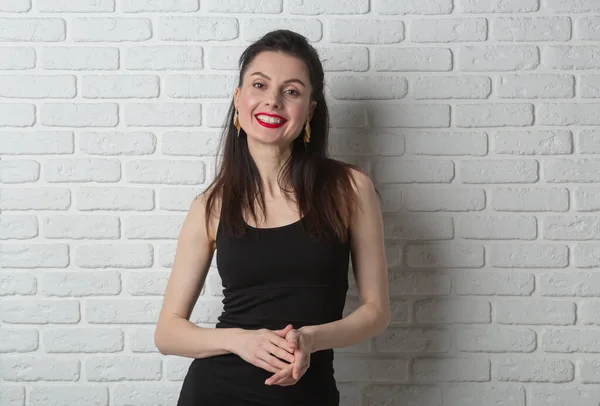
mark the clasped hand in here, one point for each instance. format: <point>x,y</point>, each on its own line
<point>267,348</point>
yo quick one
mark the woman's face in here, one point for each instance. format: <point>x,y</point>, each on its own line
<point>274,100</point>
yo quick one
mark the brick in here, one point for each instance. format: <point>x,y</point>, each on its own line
<point>359,143</point>
<point>177,198</point>
<point>588,371</point>
<point>36,142</point>
<point>165,171</point>
<point>498,171</point>
<point>421,340</point>
<point>34,255</point>
<point>503,283</point>
<point>421,59</point>
<point>42,198</point>
<point>589,87</point>
<point>114,255</point>
<point>536,86</point>
<point>177,368</point>
<point>163,115</point>
<point>190,143</point>
<point>200,86</point>
<point>535,370</point>
<point>419,227</point>
<point>571,228</point>
<point>536,312</point>
<point>530,199</point>
<point>17,114</point>
<point>83,340</point>
<point>82,6</point>
<point>449,30</point>
<point>137,394</point>
<point>565,6</point>
<point>19,227</point>
<point>494,115</point>
<point>374,395</point>
<point>80,284</point>
<point>583,170</point>
<point>347,116</point>
<point>569,284</point>
<point>569,114</point>
<point>197,28</point>
<point>252,6</point>
<point>76,394</point>
<point>451,87</point>
<point>451,370</point>
<point>587,199</point>
<point>475,394</point>
<point>81,227</point>
<point>529,256</point>
<point>428,199</point>
<point>16,6</point>
<point>316,7</point>
<point>409,116</point>
<point>37,368</point>
<point>569,340</point>
<point>32,29</point>
<point>587,28</point>
<point>164,57</point>
<point>366,31</point>
<point>255,28</point>
<point>83,170</point>
<point>561,395</point>
<point>80,58</point>
<point>111,29</point>
<point>587,254</point>
<point>114,198</point>
<point>443,311</point>
<point>162,6</point>
<point>152,226</point>
<point>352,368</point>
<point>19,171</point>
<point>110,143</point>
<point>18,340</point>
<point>496,339</point>
<point>531,29</point>
<point>589,312</point>
<point>141,339</point>
<point>146,283</point>
<point>486,58</point>
<point>111,369</point>
<point>539,142</point>
<point>425,7</point>
<point>40,311</point>
<point>444,255</point>
<point>567,57</point>
<point>392,170</point>
<point>493,6</point>
<point>120,87</point>
<point>12,395</point>
<point>38,87</point>
<point>447,143</point>
<point>79,114</point>
<point>17,283</point>
<point>418,283</point>
<point>122,311</point>
<point>368,87</point>
<point>497,227</point>
<point>17,58</point>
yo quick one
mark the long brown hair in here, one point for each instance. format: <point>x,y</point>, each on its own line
<point>323,187</point>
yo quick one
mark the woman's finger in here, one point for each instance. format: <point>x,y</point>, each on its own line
<point>272,360</point>
<point>282,354</point>
<point>281,343</point>
<point>299,355</point>
<point>280,375</point>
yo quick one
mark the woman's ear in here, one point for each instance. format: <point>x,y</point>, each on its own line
<point>312,107</point>
<point>236,97</point>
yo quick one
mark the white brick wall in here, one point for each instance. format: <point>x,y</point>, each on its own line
<point>477,120</point>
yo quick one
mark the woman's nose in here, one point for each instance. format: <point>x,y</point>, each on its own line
<point>274,99</point>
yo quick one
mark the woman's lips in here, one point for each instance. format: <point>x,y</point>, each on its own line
<point>269,125</point>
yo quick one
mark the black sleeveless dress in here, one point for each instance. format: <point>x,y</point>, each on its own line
<point>272,277</point>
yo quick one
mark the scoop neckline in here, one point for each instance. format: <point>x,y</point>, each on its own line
<point>274,228</point>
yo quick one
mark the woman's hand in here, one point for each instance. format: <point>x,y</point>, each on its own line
<point>265,348</point>
<point>302,344</point>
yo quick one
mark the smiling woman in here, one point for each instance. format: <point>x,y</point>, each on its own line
<point>284,219</point>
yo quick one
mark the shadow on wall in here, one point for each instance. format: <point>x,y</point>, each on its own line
<point>417,359</point>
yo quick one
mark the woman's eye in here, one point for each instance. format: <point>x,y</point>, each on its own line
<point>260,84</point>
<point>293,92</point>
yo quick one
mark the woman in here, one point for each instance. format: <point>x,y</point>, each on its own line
<point>284,267</point>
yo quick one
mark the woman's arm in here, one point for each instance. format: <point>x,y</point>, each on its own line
<point>372,317</point>
<point>175,334</point>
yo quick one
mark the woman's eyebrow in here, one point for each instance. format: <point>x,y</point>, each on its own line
<point>287,81</point>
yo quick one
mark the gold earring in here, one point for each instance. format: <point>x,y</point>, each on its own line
<point>307,133</point>
<point>236,122</point>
